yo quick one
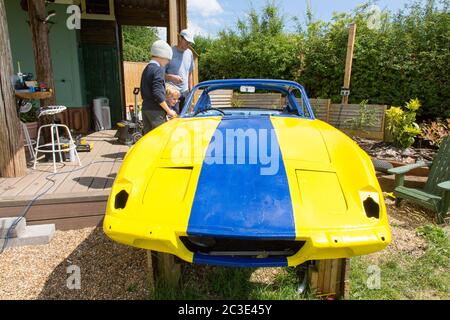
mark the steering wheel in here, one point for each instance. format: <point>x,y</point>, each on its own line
<point>210,109</point>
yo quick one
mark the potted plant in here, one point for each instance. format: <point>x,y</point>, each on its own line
<point>31,120</point>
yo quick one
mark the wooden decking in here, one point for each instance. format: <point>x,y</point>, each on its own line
<point>76,196</point>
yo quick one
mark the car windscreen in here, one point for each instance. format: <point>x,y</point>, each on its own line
<point>247,100</point>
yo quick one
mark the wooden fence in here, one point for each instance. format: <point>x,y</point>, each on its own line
<point>132,76</point>
<point>337,115</point>
<point>340,114</point>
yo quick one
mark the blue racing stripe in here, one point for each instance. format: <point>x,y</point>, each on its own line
<point>233,198</point>
<point>240,262</point>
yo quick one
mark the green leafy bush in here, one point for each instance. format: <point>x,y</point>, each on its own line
<point>435,131</point>
<point>365,118</point>
<point>30,116</point>
<point>137,42</point>
<point>236,102</point>
<point>402,125</point>
<point>406,57</point>
<point>258,48</point>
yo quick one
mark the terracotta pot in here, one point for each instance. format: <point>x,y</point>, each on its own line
<point>32,129</point>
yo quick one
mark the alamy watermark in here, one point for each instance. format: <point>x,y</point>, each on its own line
<point>73,282</point>
<point>374,20</point>
<point>73,22</point>
<point>374,277</point>
<point>253,147</point>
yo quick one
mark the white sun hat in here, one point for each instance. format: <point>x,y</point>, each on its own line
<point>162,49</point>
<point>187,35</point>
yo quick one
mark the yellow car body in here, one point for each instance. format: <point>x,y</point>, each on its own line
<point>325,204</point>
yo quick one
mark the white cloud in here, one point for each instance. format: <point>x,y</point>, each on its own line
<point>214,21</point>
<point>205,8</point>
<point>197,30</point>
<point>162,33</point>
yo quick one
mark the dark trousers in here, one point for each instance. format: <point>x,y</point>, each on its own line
<point>153,119</point>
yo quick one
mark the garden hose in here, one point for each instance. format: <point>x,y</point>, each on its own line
<point>30,204</point>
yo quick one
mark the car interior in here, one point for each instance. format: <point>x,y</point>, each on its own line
<point>247,101</point>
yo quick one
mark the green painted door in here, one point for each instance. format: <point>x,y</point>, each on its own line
<point>102,76</point>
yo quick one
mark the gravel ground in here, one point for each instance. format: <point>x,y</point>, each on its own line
<point>403,223</point>
<point>112,271</point>
<point>108,270</point>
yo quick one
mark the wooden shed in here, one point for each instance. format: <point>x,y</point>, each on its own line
<point>87,62</point>
<point>79,64</point>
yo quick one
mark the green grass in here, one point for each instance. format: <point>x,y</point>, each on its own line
<point>406,277</point>
<point>402,277</point>
<point>231,284</point>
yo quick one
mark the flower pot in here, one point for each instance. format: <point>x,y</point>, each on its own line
<point>32,129</point>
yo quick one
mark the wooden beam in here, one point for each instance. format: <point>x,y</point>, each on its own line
<point>168,271</point>
<point>141,17</point>
<point>345,279</point>
<point>330,278</point>
<point>150,275</point>
<point>349,61</point>
<point>12,154</point>
<point>196,69</point>
<point>41,47</point>
<point>183,22</point>
<point>173,28</point>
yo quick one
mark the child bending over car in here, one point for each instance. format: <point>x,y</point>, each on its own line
<point>172,97</point>
<point>154,106</point>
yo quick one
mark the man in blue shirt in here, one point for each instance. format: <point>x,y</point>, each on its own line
<point>180,70</point>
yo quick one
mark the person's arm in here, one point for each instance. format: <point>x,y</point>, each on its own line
<point>173,78</point>
<point>191,73</point>
<point>191,81</point>
<point>169,111</point>
<point>159,92</point>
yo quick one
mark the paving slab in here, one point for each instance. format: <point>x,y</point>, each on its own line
<point>33,235</point>
<point>17,231</point>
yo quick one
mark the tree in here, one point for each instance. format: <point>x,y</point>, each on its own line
<point>260,48</point>
<point>137,42</point>
<point>405,57</point>
<point>12,154</point>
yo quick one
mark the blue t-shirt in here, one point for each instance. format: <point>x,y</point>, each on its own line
<point>182,64</point>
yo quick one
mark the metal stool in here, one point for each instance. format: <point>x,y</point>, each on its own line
<point>56,146</point>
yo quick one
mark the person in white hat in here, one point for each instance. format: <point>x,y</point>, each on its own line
<point>154,106</point>
<point>180,70</point>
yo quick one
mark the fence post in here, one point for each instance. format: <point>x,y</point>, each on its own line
<point>330,278</point>
<point>150,275</point>
<point>328,110</point>
<point>383,124</point>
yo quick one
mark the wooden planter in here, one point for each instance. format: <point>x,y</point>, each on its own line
<point>32,129</point>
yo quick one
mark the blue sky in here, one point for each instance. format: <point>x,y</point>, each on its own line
<point>207,17</point>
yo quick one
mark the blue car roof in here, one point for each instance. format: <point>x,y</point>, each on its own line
<point>260,83</point>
